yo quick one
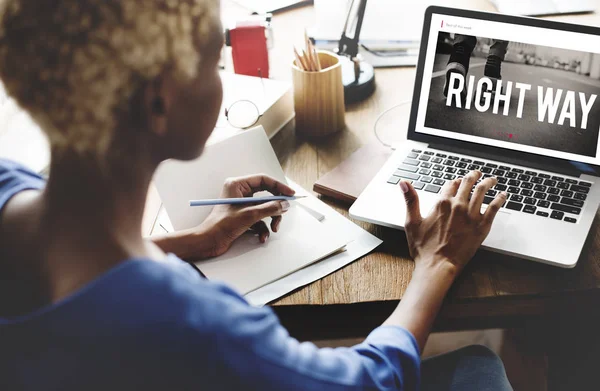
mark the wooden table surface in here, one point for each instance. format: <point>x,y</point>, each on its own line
<point>493,291</point>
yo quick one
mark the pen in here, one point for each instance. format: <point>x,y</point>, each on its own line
<point>244,200</point>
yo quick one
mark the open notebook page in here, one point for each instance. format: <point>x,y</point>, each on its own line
<point>249,265</point>
<point>301,240</point>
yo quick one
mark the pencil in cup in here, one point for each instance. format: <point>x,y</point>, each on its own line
<point>319,96</point>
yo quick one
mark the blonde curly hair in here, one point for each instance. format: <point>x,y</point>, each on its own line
<point>75,64</point>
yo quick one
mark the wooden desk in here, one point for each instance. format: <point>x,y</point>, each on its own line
<point>494,290</point>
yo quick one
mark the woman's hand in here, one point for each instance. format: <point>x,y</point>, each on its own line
<point>226,223</point>
<point>441,245</point>
<point>456,227</point>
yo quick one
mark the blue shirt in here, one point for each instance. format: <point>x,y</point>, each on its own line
<point>145,325</point>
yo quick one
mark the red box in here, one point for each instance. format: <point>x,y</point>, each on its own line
<point>249,50</point>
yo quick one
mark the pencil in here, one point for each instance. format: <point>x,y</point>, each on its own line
<point>318,60</point>
<point>312,51</point>
<point>302,60</point>
<point>298,60</point>
<point>307,60</point>
<point>309,51</point>
<point>243,200</point>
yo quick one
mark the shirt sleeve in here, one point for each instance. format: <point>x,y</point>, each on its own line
<point>251,341</point>
<point>15,178</point>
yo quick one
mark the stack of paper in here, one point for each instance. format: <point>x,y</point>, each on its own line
<point>311,233</point>
<point>360,243</point>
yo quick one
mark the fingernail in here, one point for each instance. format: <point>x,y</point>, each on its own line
<point>285,205</point>
<point>403,186</point>
<point>504,194</point>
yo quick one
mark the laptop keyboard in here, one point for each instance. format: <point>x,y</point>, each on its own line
<point>529,191</point>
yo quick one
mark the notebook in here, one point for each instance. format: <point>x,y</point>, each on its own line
<point>248,265</point>
<point>349,179</point>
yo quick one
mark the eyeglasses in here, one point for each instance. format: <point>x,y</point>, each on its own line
<point>242,114</point>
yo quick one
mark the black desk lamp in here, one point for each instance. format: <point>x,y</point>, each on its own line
<point>358,76</point>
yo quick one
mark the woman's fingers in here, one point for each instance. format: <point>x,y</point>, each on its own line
<point>478,194</point>
<point>262,182</point>
<point>273,209</point>
<point>493,208</point>
<point>450,188</point>
<point>261,230</point>
<point>464,191</point>
<point>275,222</point>
<point>413,211</point>
<point>268,209</point>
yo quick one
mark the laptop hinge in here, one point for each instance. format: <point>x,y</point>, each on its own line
<point>559,167</point>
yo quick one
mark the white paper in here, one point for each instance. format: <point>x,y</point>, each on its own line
<point>385,20</point>
<point>249,265</point>
<point>246,153</point>
<point>360,243</point>
<point>178,182</point>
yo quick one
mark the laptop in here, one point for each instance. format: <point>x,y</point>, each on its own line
<point>515,98</point>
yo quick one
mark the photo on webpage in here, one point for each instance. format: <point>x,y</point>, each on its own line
<point>516,92</point>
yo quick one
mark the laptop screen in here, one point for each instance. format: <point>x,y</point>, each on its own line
<point>512,86</point>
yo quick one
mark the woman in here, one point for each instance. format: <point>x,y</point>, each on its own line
<point>87,303</point>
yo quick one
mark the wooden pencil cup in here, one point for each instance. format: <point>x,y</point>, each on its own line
<point>319,98</point>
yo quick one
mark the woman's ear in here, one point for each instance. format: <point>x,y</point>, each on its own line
<point>157,103</point>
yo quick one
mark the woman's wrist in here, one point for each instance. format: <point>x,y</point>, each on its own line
<point>430,282</point>
<point>440,269</point>
<point>186,244</point>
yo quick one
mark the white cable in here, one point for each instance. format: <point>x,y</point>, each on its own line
<point>379,118</point>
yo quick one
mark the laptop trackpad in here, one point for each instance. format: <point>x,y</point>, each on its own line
<point>504,222</point>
